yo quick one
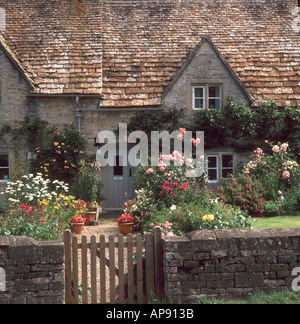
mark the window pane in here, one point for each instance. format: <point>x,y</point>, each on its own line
<point>4,174</point>
<point>4,160</point>
<point>214,92</point>
<point>199,92</point>
<point>212,175</point>
<point>227,161</point>
<point>199,104</point>
<point>212,162</point>
<point>214,103</point>
<point>226,172</point>
<point>118,170</point>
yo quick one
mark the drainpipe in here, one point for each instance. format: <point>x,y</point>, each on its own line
<point>78,114</point>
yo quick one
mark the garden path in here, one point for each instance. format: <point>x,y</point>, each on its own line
<point>107,226</point>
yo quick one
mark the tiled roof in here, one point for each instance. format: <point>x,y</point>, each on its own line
<point>130,50</point>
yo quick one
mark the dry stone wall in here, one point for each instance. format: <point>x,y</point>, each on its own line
<point>31,272</point>
<point>229,263</point>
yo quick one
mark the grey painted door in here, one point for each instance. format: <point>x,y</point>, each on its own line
<point>118,184</point>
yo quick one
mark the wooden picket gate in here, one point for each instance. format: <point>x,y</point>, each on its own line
<point>124,270</point>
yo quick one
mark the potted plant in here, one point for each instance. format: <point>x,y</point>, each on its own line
<point>126,223</point>
<point>92,212</point>
<point>77,224</point>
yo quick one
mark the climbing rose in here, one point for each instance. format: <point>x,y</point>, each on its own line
<point>284,147</point>
<point>286,175</point>
<point>149,171</point>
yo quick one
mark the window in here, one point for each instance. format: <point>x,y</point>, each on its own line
<point>4,167</point>
<point>118,168</point>
<point>227,165</point>
<point>207,97</point>
<point>212,168</point>
<point>199,97</point>
<point>214,97</point>
<point>219,166</point>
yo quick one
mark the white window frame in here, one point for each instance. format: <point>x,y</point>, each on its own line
<point>194,97</point>
<point>216,168</point>
<point>227,168</point>
<point>219,98</point>
<point>2,180</point>
<point>206,96</point>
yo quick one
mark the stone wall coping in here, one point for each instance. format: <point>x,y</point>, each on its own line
<point>215,235</point>
<point>15,241</point>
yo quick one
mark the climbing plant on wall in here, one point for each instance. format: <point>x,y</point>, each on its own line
<point>56,152</point>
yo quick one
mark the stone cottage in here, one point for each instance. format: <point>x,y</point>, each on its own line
<point>97,62</point>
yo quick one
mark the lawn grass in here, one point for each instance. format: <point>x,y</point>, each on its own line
<point>277,222</point>
<point>284,297</point>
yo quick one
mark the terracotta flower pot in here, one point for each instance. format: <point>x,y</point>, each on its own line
<point>77,227</point>
<point>125,228</point>
<point>90,216</point>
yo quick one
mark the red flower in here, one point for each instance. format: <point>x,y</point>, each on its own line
<point>126,218</point>
<point>184,187</point>
<point>77,220</point>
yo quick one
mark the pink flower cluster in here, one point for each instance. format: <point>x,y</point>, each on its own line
<point>282,148</point>
<point>165,229</point>
<point>286,174</point>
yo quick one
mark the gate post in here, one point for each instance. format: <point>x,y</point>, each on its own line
<point>158,263</point>
<point>68,266</point>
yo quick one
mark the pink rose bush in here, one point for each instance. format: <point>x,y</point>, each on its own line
<point>267,173</point>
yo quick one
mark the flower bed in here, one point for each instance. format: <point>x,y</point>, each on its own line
<point>169,196</point>
<point>39,208</point>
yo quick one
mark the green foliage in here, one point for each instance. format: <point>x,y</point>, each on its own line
<point>161,120</point>
<point>244,192</point>
<point>90,187</point>
<point>59,154</point>
<point>212,122</point>
<point>266,122</point>
<point>257,186</point>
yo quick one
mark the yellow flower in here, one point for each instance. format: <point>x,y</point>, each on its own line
<point>204,218</point>
<point>211,217</point>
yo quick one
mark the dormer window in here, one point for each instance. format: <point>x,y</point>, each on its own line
<point>207,97</point>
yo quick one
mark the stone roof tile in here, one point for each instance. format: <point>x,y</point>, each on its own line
<point>130,50</point>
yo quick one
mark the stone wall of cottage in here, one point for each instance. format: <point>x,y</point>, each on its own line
<point>229,263</point>
<point>14,106</point>
<point>31,272</point>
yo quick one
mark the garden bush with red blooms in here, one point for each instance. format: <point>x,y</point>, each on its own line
<point>244,191</point>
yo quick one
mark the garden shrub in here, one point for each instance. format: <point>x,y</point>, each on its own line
<point>245,192</point>
<point>90,187</point>
<point>167,197</point>
<point>59,155</point>
<point>256,187</point>
<point>192,217</point>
